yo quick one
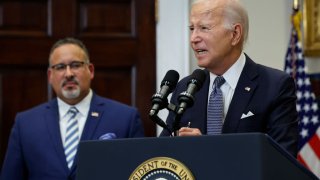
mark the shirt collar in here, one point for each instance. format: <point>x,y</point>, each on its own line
<point>82,106</point>
<point>232,75</point>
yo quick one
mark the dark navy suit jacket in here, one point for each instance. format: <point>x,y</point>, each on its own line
<point>271,98</point>
<point>35,149</point>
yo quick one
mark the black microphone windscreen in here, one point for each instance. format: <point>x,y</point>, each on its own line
<point>200,76</point>
<point>171,79</point>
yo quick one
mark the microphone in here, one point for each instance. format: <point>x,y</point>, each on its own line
<point>160,101</point>
<point>168,84</point>
<point>186,98</point>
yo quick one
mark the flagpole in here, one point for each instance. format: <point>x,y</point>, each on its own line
<point>297,18</point>
<point>296,5</point>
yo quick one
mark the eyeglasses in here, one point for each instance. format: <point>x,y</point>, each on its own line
<point>74,65</point>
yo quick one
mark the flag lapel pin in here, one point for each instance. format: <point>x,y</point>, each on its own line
<point>94,114</point>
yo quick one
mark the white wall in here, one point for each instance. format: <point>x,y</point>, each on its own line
<point>172,40</point>
<point>172,37</point>
<point>269,32</point>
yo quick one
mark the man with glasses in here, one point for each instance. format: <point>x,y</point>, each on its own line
<point>44,140</point>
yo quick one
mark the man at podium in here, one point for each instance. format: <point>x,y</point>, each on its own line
<point>238,95</point>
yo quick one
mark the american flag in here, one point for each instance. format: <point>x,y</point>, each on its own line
<point>307,107</point>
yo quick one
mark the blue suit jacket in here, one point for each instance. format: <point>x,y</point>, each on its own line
<point>271,98</point>
<point>35,149</point>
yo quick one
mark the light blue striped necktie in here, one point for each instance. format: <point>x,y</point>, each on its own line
<point>72,136</point>
<point>215,108</point>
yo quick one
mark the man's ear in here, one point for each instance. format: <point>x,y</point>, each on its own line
<point>49,73</point>
<point>91,69</point>
<point>237,34</point>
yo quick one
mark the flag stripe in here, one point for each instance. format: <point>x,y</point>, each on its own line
<point>301,160</point>
<point>314,144</point>
<point>310,159</point>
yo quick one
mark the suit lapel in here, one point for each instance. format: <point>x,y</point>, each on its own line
<point>94,115</point>
<point>242,95</point>
<point>52,121</point>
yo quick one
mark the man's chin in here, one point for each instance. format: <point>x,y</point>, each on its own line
<point>71,94</point>
<point>71,97</point>
<point>202,64</point>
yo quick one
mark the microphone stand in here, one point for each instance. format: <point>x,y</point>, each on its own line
<point>186,100</point>
<point>155,118</point>
<point>176,124</point>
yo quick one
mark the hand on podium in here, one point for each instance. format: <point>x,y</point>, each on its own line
<point>186,131</point>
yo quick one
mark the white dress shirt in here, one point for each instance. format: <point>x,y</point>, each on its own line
<point>83,108</point>
<point>231,77</point>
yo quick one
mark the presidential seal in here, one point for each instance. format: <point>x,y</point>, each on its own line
<point>161,168</point>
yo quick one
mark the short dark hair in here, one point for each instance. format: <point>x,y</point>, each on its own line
<point>70,40</point>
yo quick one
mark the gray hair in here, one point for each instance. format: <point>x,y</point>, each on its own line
<point>70,40</point>
<point>233,12</point>
<point>236,13</point>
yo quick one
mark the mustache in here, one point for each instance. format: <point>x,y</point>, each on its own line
<point>73,80</point>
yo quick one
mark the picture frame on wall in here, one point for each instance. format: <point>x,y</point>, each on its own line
<point>311,28</point>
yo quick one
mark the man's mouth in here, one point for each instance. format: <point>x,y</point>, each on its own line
<point>201,51</point>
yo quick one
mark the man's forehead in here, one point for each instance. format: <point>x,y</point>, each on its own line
<point>207,8</point>
<point>206,14</point>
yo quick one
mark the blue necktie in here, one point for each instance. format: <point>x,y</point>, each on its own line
<point>72,136</point>
<point>215,108</point>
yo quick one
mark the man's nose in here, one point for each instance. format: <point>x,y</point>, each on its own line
<point>194,36</point>
<point>69,72</point>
